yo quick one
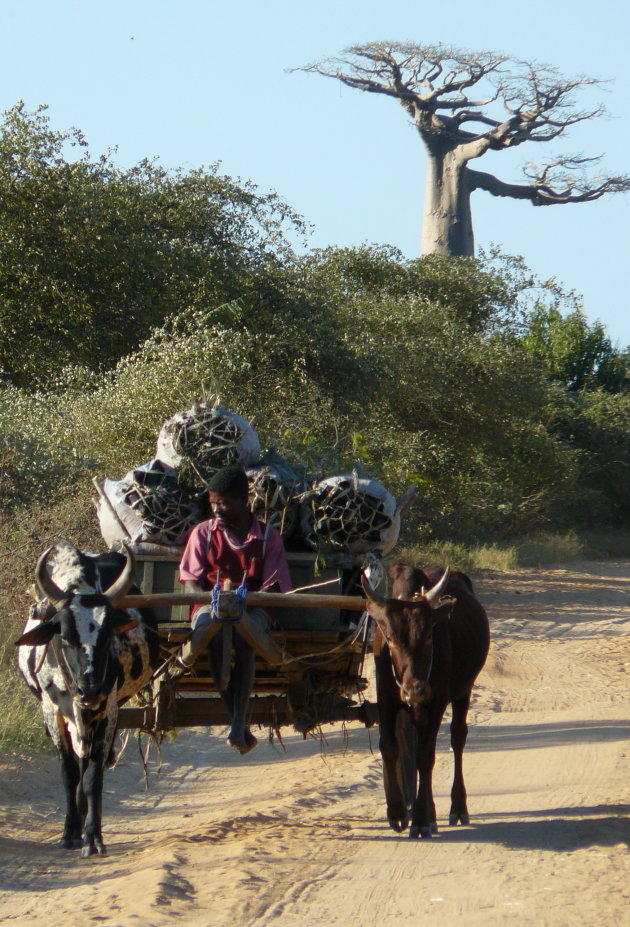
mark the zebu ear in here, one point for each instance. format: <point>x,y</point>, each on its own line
<point>124,622</point>
<point>377,606</point>
<point>41,634</point>
<point>443,609</point>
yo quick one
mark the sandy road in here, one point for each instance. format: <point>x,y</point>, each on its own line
<point>299,837</point>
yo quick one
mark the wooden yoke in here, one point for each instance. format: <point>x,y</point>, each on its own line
<point>228,603</point>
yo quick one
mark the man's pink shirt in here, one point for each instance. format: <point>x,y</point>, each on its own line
<point>193,565</point>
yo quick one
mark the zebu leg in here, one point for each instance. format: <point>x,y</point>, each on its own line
<point>92,769</point>
<point>459,733</point>
<point>397,806</point>
<point>389,707</point>
<point>70,775</point>
<point>424,819</point>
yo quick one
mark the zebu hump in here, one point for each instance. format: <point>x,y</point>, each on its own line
<point>73,570</point>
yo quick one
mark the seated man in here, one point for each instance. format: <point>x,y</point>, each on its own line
<point>233,545</point>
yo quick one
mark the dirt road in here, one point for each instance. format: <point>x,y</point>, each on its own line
<point>299,838</point>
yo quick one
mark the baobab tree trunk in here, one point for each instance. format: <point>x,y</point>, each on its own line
<point>447,221</point>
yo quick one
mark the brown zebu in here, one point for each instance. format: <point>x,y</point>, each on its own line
<point>428,649</point>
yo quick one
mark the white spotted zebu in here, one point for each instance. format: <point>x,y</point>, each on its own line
<point>82,657</point>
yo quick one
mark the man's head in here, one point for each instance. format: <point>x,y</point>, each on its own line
<point>228,493</point>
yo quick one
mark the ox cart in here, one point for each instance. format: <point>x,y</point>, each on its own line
<point>309,669</point>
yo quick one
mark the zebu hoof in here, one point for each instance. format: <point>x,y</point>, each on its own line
<point>398,824</point>
<point>424,831</point>
<point>398,815</point>
<point>70,843</point>
<point>94,848</point>
<point>455,819</point>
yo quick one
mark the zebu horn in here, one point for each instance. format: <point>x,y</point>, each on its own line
<point>434,594</point>
<point>120,587</point>
<point>372,594</point>
<point>45,584</point>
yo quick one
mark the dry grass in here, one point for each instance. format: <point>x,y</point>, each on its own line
<point>539,550</point>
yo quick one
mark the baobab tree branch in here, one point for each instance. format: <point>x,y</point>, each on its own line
<point>541,193</point>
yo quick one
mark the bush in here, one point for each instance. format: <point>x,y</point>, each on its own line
<point>93,257</point>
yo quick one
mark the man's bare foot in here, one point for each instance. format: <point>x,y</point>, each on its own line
<point>243,743</point>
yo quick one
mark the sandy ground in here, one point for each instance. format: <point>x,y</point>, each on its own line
<point>299,837</point>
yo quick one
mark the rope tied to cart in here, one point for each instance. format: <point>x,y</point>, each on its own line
<point>241,595</point>
<point>214,601</point>
<point>346,644</point>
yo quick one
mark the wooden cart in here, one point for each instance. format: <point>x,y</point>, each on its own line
<point>309,670</point>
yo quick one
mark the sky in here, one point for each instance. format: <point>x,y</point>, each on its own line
<point>199,81</point>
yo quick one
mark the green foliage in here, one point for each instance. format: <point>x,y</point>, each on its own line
<point>21,725</point>
<point>93,257</point>
<point>596,425</point>
<point>577,354</point>
<point>417,370</point>
<point>39,448</point>
<point>456,409</point>
<point>354,373</point>
<point>477,292</point>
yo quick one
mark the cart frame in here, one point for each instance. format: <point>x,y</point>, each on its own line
<point>308,672</point>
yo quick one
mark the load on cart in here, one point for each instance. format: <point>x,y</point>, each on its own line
<point>309,662</point>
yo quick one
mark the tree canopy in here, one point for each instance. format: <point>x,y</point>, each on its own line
<point>126,296</point>
<point>577,354</point>
<point>92,257</point>
<point>465,104</point>
<point>340,357</point>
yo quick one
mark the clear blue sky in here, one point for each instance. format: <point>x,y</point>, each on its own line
<point>199,81</point>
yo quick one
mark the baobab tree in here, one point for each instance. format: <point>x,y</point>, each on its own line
<point>465,104</point>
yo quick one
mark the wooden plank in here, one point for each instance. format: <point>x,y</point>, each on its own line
<point>268,710</point>
<point>294,639</point>
<point>147,574</point>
